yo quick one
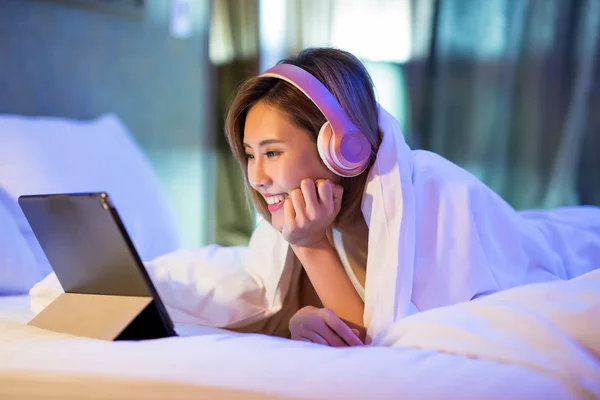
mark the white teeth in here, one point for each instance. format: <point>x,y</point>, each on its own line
<point>275,199</point>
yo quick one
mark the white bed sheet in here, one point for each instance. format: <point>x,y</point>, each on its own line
<point>222,364</point>
<point>15,308</point>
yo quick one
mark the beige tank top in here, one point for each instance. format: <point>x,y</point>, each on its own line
<point>353,257</point>
<point>354,260</point>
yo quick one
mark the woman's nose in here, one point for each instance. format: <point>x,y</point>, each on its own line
<point>259,178</point>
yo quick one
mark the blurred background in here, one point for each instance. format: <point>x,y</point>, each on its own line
<point>508,89</point>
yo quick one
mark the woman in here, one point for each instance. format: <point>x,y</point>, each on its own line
<point>454,239</point>
<point>272,128</point>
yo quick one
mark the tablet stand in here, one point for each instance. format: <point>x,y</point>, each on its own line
<point>104,317</point>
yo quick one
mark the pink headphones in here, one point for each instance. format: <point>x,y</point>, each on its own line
<point>343,148</point>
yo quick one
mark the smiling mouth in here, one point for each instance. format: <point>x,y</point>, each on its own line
<point>274,200</point>
<point>275,203</point>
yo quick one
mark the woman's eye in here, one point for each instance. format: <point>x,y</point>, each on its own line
<point>271,154</point>
<point>249,156</point>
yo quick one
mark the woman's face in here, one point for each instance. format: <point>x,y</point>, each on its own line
<point>280,155</point>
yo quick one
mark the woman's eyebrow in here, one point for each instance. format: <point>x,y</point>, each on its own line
<point>265,142</point>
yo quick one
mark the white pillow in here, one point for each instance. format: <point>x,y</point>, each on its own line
<point>18,267</point>
<point>53,155</point>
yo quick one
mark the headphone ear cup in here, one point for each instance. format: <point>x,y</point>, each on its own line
<point>323,146</point>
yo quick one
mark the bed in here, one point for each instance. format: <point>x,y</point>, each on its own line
<point>428,357</point>
<point>538,341</point>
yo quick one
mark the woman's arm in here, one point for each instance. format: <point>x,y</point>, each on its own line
<point>330,281</point>
<point>309,212</point>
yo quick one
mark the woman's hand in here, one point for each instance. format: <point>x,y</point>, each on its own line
<point>322,326</point>
<point>309,211</point>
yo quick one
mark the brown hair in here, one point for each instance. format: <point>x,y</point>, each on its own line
<point>347,79</point>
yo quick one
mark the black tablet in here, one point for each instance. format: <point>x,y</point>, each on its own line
<point>91,252</point>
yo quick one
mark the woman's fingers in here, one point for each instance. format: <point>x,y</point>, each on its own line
<point>324,189</point>
<point>288,211</point>
<point>314,337</point>
<point>341,329</point>
<point>315,200</point>
<point>299,204</point>
<point>309,211</point>
<point>338,193</point>
<point>324,327</point>
<point>330,336</point>
<point>307,186</point>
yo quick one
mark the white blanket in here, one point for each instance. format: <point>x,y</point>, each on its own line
<point>552,328</point>
<point>534,341</point>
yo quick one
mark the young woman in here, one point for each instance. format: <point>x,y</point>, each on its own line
<point>272,128</point>
<point>453,235</point>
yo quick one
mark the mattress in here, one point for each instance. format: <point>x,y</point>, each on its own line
<point>213,363</point>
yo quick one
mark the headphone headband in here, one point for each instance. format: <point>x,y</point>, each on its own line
<point>342,147</point>
<point>317,92</point>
